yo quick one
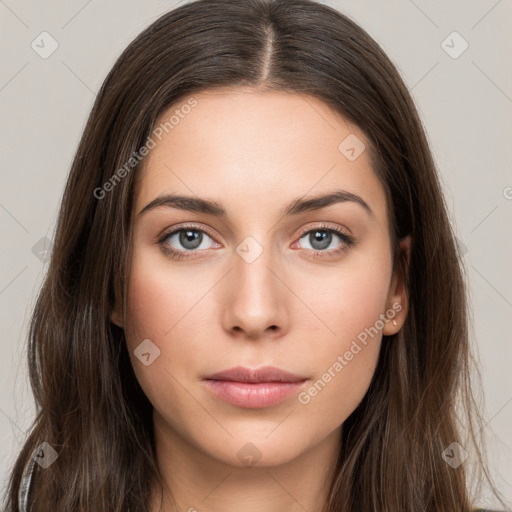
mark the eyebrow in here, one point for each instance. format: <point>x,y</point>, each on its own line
<point>299,205</point>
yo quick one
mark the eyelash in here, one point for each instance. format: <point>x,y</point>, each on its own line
<point>347,241</point>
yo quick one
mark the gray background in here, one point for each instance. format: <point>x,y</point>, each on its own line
<point>465,104</point>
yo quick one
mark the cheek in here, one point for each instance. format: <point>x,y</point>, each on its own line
<point>159,299</point>
<point>161,307</point>
<point>344,366</point>
<point>150,306</point>
<point>346,355</point>
<point>351,298</point>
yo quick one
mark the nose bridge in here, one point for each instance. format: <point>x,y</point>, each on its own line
<point>255,292</point>
<point>253,261</point>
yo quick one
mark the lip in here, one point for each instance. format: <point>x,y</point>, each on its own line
<point>256,375</point>
<point>254,388</point>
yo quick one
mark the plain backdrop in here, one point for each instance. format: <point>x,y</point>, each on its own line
<point>462,86</point>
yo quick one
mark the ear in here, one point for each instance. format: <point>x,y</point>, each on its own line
<point>397,304</point>
<point>116,313</point>
<point>116,316</point>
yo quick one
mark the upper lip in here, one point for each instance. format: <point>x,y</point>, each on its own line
<point>263,374</point>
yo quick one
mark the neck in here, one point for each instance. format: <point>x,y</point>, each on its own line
<point>194,481</point>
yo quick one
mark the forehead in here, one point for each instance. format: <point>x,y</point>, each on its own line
<point>242,146</point>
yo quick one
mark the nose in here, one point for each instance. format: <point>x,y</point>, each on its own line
<point>255,293</point>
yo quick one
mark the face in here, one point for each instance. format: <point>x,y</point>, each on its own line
<point>309,291</point>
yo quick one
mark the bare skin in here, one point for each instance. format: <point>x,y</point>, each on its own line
<point>254,153</point>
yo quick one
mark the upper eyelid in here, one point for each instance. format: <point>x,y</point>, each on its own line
<point>171,231</point>
<point>327,226</point>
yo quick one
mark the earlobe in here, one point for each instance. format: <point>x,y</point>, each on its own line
<point>116,318</point>
<point>397,304</point>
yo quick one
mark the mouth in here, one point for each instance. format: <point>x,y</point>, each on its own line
<point>254,388</point>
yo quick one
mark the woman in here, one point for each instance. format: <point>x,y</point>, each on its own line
<point>255,299</point>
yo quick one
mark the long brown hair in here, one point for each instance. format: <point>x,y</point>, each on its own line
<point>90,407</point>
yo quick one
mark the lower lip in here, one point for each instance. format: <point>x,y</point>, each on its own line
<point>253,395</point>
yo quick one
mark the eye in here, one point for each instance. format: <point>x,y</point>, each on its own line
<point>184,242</point>
<point>322,237</point>
<point>186,239</point>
